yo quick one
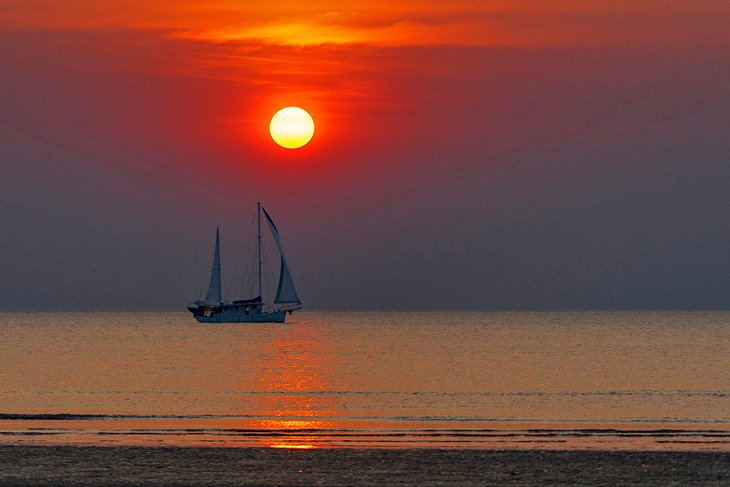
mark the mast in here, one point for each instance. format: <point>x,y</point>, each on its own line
<point>258,224</point>
<point>214,288</point>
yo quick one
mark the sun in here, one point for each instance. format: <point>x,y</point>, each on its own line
<point>291,127</point>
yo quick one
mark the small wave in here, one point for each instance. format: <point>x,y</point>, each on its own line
<point>589,438</point>
<point>343,419</point>
<point>610,393</point>
<point>86,417</point>
<point>388,433</point>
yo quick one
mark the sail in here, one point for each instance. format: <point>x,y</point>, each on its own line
<point>214,288</point>
<point>285,292</point>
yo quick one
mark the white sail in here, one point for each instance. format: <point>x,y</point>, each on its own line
<point>214,288</point>
<point>285,292</point>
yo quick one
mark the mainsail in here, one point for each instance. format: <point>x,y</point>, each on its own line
<point>214,288</point>
<point>285,293</point>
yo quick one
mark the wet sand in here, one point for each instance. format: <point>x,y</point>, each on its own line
<point>173,466</point>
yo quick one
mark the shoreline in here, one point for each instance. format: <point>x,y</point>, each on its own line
<point>179,466</point>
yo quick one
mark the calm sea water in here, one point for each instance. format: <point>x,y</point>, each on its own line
<point>358,379</point>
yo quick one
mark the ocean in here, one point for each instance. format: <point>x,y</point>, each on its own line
<point>530,383</point>
<point>479,380</point>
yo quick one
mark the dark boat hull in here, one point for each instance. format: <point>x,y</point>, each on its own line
<point>236,315</point>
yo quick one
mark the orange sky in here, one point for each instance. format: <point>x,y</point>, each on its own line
<point>334,57</point>
<point>346,62</point>
<point>502,109</point>
<point>399,22</point>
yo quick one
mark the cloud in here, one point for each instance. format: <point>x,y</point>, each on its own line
<point>397,23</point>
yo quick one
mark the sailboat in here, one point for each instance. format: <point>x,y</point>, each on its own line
<point>213,309</point>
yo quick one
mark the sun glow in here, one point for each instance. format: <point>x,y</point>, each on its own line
<point>291,127</point>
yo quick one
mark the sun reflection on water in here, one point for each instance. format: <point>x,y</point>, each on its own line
<point>300,442</point>
<point>294,369</point>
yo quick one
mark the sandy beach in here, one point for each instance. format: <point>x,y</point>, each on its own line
<point>163,466</point>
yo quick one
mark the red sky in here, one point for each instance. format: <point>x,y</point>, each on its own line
<point>524,128</point>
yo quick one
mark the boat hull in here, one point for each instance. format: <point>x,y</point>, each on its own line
<point>234,316</point>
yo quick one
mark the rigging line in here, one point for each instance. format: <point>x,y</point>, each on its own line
<point>246,282</point>
<point>234,280</point>
<point>228,222</point>
<point>268,271</point>
<point>228,278</point>
<point>243,264</point>
<point>211,257</point>
<point>225,274</point>
<point>236,210</point>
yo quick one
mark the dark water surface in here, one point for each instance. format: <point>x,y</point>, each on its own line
<point>532,381</point>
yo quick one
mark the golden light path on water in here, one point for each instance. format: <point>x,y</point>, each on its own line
<point>296,366</point>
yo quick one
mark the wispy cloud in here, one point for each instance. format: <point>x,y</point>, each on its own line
<point>398,22</point>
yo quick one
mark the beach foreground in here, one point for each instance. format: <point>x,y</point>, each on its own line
<point>156,466</point>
